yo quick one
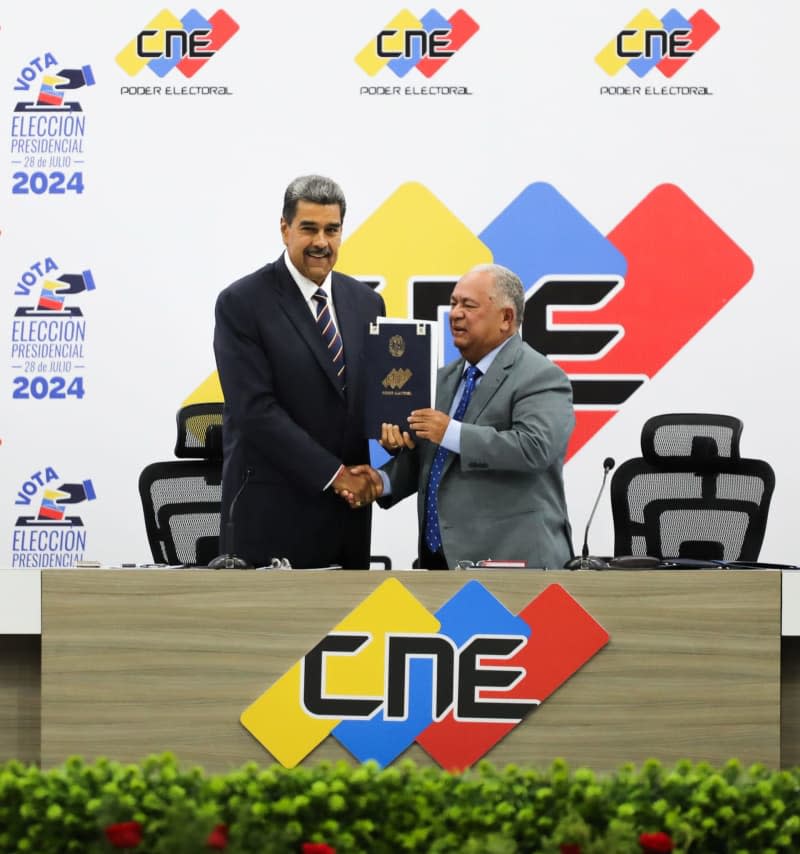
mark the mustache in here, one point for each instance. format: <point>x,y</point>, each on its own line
<point>318,253</point>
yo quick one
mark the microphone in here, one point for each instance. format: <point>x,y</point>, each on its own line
<point>584,561</point>
<point>229,560</point>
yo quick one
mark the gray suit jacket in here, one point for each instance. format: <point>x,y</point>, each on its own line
<point>502,497</point>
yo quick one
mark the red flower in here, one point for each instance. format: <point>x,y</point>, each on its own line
<point>569,848</point>
<point>316,848</point>
<point>218,838</point>
<point>656,843</point>
<point>124,834</point>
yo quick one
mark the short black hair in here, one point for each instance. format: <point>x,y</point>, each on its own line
<point>312,188</point>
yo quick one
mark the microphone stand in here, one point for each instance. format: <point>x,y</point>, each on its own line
<point>228,560</point>
<point>584,561</point>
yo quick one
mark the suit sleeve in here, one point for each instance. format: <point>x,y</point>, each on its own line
<point>246,375</point>
<point>533,430</point>
<point>403,473</point>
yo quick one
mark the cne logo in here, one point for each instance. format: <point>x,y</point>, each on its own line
<point>186,43</point>
<point>610,308</point>
<point>424,43</point>
<point>665,43</point>
<point>455,681</point>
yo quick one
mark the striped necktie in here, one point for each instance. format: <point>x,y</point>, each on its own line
<point>433,536</point>
<point>330,334</point>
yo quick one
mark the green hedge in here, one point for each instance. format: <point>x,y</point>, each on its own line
<point>399,809</point>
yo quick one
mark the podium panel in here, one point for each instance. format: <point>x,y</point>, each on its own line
<point>137,662</point>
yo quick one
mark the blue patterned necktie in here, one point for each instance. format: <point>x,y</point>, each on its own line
<point>330,334</point>
<point>433,536</point>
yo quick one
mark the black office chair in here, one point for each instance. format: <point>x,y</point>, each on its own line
<point>691,495</point>
<point>181,498</point>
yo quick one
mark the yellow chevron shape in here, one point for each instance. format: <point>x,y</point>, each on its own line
<point>411,235</point>
<point>368,59</point>
<point>608,59</point>
<point>127,58</point>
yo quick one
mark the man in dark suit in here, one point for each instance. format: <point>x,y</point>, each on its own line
<point>487,467</point>
<point>288,341</point>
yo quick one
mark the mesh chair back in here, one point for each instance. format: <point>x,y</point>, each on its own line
<point>669,440</point>
<point>193,532</point>
<point>181,500</point>
<point>691,494</point>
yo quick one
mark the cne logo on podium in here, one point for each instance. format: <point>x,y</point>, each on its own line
<point>456,681</point>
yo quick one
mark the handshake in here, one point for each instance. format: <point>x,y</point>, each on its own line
<point>361,485</point>
<point>358,485</point>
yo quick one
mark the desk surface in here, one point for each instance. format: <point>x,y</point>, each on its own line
<point>20,597</point>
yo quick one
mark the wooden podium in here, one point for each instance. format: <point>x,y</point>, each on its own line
<point>141,661</point>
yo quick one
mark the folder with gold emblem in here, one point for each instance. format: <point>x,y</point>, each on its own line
<point>400,369</point>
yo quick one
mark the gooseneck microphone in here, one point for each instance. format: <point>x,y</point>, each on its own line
<point>584,561</point>
<point>228,560</point>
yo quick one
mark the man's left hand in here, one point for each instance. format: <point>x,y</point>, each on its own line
<point>429,424</point>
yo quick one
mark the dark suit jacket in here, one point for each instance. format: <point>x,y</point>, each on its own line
<point>288,423</point>
<point>502,497</point>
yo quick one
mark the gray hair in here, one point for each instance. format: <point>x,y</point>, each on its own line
<point>508,287</point>
<point>312,188</point>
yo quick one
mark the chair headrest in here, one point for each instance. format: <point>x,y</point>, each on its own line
<point>691,440</point>
<point>199,431</point>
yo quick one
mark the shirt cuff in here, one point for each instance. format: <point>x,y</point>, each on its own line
<point>336,474</point>
<point>452,437</point>
<point>387,484</point>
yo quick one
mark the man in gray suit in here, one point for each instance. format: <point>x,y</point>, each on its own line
<point>487,464</point>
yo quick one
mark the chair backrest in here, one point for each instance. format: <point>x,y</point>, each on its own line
<point>181,499</point>
<point>691,494</point>
<point>199,431</point>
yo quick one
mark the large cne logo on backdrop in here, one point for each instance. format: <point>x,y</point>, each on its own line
<point>424,43</point>
<point>666,43</point>
<point>611,309</point>
<point>455,682</point>
<point>168,42</point>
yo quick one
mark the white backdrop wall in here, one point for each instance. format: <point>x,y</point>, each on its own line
<point>181,194</point>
